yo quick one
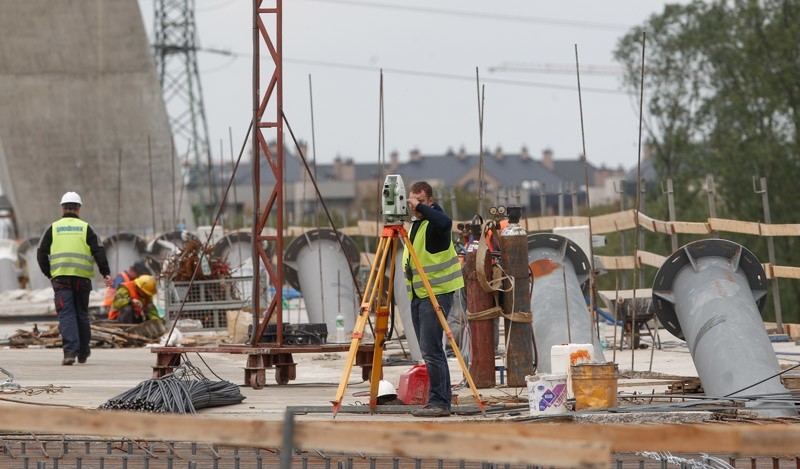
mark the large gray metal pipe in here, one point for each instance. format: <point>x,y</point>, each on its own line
<point>710,293</point>
<point>26,256</point>
<point>315,264</point>
<point>8,257</point>
<point>167,244</point>
<point>123,250</point>
<point>237,249</point>
<point>560,313</point>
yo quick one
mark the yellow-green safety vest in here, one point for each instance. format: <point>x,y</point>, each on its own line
<point>442,268</point>
<point>69,253</point>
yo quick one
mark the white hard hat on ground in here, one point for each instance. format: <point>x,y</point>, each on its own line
<point>385,388</point>
<point>71,198</point>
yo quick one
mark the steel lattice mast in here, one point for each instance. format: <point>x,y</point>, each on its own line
<point>267,126</point>
<point>175,51</point>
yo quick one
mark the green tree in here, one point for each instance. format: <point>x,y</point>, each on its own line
<point>722,93</point>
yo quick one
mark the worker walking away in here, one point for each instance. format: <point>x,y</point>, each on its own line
<point>66,255</point>
<point>134,271</point>
<point>133,302</point>
<point>433,244</point>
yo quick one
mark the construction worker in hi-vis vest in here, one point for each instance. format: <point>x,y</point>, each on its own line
<point>67,253</point>
<point>432,241</point>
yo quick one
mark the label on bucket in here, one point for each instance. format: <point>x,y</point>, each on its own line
<point>547,394</point>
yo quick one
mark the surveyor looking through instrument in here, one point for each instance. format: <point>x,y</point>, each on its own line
<point>431,240</point>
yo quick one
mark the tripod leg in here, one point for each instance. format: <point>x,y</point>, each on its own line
<point>361,322</point>
<point>443,321</point>
<point>381,323</point>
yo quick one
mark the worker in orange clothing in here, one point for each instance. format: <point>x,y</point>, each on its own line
<point>133,302</point>
<point>137,269</point>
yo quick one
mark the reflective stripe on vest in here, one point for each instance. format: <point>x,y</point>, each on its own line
<point>442,268</point>
<point>69,252</point>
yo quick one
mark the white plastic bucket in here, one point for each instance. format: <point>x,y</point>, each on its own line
<point>562,357</point>
<point>547,394</point>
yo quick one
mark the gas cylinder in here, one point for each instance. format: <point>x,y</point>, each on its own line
<point>414,386</point>
<point>516,298</point>
<point>481,365</point>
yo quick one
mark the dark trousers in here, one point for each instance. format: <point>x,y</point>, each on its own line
<point>72,305</point>
<point>127,315</point>
<point>429,335</point>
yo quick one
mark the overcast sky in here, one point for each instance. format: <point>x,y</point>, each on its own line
<point>429,51</point>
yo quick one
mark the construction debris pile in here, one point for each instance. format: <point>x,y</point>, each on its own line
<point>103,335</point>
<point>183,392</point>
<point>182,265</point>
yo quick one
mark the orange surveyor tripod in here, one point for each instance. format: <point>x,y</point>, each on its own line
<point>375,302</point>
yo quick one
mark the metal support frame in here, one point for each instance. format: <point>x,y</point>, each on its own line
<point>670,193</point>
<point>268,123</point>
<point>776,292</point>
<point>712,201</point>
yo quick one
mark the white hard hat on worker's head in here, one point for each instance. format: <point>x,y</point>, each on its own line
<point>71,198</point>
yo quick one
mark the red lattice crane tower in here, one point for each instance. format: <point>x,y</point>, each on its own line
<point>267,126</point>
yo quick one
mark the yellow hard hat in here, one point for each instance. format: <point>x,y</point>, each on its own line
<point>147,284</point>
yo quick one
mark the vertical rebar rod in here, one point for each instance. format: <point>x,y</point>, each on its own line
<point>712,201</point>
<point>152,193</point>
<point>566,303</point>
<point>119,202</point>
<point>592,299</point>
<point>623,238</point>
<point>316,200</point>
<point>671,207</point>
<point>638,199</point>
<point>481,102</point>
<point>174,206</point>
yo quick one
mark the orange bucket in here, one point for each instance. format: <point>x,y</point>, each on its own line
<point>595,385</point>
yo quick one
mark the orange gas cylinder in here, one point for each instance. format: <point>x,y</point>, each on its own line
<point>414,386</point>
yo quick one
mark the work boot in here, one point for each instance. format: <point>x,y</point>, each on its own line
<point>82,358</point>
<point>68,360</point>
<point>430,411</point>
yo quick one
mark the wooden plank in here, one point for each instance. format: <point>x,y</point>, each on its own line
<point>613,222</point>
<point>780,230</point>
<point>428,440</point>
<point>569,443</point>
<point>781,271</point>
<point>734,226</point>
<point>690,227</point>
<point>652,259</point>
<point>766,440</point>
<point>418,440</point>
<point>654,225</point>
<point>617,262</point>
<point>251,433</point>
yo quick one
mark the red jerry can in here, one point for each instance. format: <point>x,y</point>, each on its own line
<point>414,386</point>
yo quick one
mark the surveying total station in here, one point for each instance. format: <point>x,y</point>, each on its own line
<point>376,301</point>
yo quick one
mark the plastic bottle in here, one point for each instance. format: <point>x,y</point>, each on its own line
<point>205,266</point>
<point>340,329</point>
